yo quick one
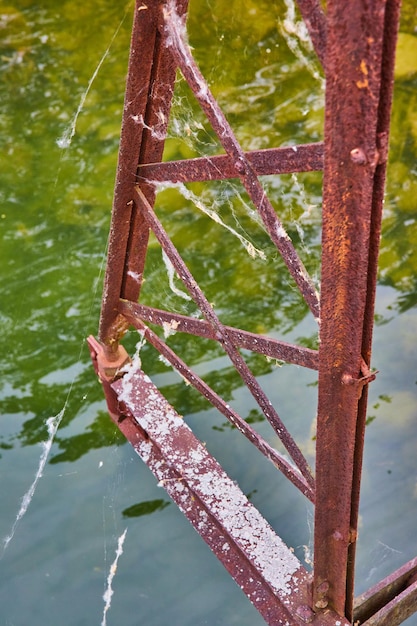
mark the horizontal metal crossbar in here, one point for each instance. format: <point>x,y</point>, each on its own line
<point>286,160</point>
<point>136,313</point>
<point>391,601</point>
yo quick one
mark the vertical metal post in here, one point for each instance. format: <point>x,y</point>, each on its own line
<point>351,219</point>
<point>149,90</point>
<point>137,90</point>
<point>391,23</point>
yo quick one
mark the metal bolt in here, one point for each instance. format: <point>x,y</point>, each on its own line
<point>305,613</point>
<point>358,156</point>
<point>240,167</point>
<point>321,604</point>
<point>323,587</point>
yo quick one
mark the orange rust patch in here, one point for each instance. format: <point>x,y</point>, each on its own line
<point>362,84</point>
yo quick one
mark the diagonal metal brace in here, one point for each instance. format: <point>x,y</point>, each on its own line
<point>391,601</point>
<point>267,571</point>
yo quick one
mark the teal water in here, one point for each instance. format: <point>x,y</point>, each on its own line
<point>63,71</point>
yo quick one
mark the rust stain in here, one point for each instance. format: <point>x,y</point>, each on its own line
<point>363,84</point>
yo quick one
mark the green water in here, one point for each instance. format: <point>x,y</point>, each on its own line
<point>63,69</point>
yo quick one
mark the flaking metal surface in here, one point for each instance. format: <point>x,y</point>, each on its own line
<point>258,560</point>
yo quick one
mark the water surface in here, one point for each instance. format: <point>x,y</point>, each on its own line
<point>63,71</point>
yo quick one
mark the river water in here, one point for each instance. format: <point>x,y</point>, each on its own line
<point>72,491</point>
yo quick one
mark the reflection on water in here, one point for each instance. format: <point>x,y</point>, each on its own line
<point>62,85</point>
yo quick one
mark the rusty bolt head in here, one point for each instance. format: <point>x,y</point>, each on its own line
<point>321,604</point>
<point>240,167</point>
<point>347,379</point>
<point>323,587</point>
<point>305,613</point>
<point>358,156</point>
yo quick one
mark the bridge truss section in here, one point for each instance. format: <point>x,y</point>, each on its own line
<point>355,42</point>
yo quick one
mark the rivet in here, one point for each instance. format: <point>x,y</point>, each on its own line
<point>305,613</point>
<point>240,167</point>
<point>358,156</point>
<point>323,587</point>
<point>321,604</point>
<point>347,379</point>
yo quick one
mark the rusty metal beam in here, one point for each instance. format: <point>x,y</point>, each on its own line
<point>148,97</point>
<point>391,601</point>
<point>390,34</point>
<point>398,610</point>
<point>266,570</point>
<point>315,20</point>
<point>353,92</point>
<point>142,50</point>
<point>135,313</point>
<point>175,36</point>
<point>286,160</point>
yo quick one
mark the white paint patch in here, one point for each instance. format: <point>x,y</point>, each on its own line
<point>199,474</point>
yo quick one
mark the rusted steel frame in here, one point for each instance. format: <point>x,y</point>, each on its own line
<point>175,37</point>
<point>215,506</point>
<point>149,88</point>
<point>315,20</point>
<point>398,610</point>
<point>377,603</point>
<point>155,125</point>
<point>265,569</point>
<point>353,77</point>
<point>391,24</point>
<point>286,160</point>
<point>142,49</point>
<point>224,339</point>
<point>198,383</point>
<point>135,313</point>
